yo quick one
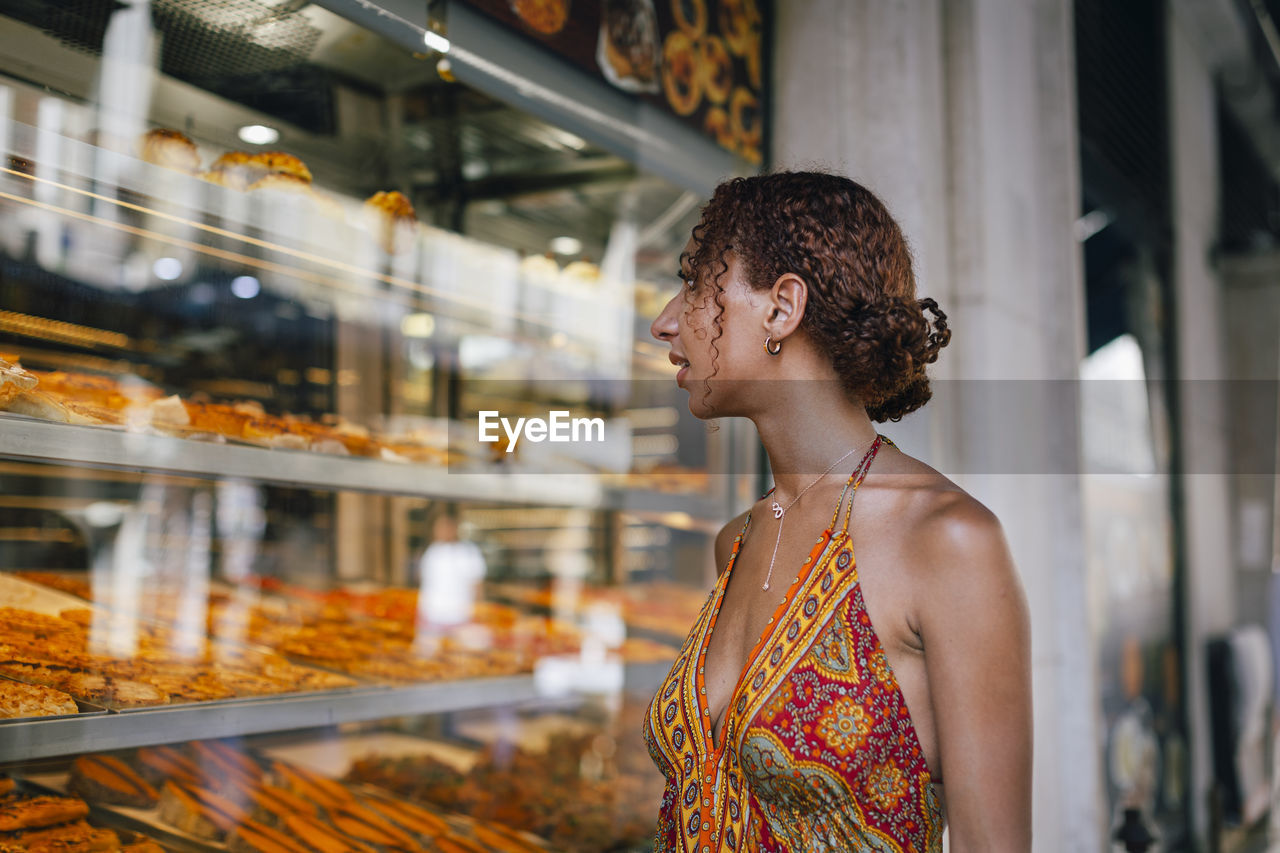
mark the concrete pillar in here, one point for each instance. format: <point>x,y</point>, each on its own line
<point>1210,602</point>
<point>961,115</point>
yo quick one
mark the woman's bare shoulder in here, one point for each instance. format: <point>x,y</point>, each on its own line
<point>943,518</point>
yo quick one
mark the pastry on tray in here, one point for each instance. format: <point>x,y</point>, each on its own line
<point>391,218</point>
<point>33,700</point>
<point>318,835</point>
<point>199,811</point>
<point>170,148</point>
<point>107,779</point>
<point>22,813</point>
<point>73,837</point>
<point>254,837</point>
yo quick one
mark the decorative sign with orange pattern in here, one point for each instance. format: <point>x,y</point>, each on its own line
<point>700,59</point>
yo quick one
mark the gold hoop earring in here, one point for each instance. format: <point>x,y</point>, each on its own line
<point>772,351</point>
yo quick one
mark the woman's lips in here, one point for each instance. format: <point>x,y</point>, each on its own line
<point>680,375</point>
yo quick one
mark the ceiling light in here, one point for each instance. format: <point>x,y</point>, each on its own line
<point>259,134</point>
<point>417,325</point>
<point>566,245</point>
<point>435,41</point>
<point>245,286</point>
<point>167,269</point>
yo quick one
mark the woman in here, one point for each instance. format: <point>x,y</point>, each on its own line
<point>788,722</point>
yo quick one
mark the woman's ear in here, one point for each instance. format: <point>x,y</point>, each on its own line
<point>787,301</point>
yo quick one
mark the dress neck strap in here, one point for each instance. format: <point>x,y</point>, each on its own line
<point>855,480</point>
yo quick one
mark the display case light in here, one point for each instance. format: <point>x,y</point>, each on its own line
<point>435,41</point>
<point>566,245</point>
<point>167,269</point>
<point>245,286</point>
<point>259,134</point>
<point>419,325</point>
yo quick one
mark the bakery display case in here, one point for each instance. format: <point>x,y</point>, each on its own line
<point>276,570</point>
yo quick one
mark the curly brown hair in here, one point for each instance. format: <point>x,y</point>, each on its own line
<point>840,238</point>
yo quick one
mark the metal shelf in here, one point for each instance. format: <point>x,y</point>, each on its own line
<point>35,739</point>
<point>25,438</point>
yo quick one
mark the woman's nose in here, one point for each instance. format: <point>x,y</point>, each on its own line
<point>664,326</point>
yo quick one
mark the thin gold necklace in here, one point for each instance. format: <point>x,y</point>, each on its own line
<point>780,511</point>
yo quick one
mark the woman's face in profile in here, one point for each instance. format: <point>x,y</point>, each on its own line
<point>710,337</point>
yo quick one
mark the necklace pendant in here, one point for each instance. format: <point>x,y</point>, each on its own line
<point>765,587</point>
<point>777,511</point>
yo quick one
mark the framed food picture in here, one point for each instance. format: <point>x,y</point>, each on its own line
<point>702,60</point>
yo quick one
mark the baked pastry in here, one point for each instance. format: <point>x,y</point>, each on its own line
<point>546,17</point>
<point>107,779</point>
<point>316,835</point>
<point>327,793</point>
<point>171,149</point>
<point>241,169</point>
<point>75,837</point>
<point>6,786</point>
<point>76,584</point>
<point>13,381</point>
<point>415,819</point>
<point>114,692</point>
<point>33,700</point>
<point>716,125</point>
<point>199,811</point>
<point>162,763</point>
<point>716,68</point>
<point>392,219</point>
<point>276,805</point>
<point>629,39</point>
<point>21,813</point>
<point>738,21</point>
<point>366,825</point>
<point>282,182</point>
<point>680,78</point>
<point>254,837</point>
<point>230,767</point>
<point>142,845</point>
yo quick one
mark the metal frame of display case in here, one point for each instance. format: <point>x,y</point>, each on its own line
<point>31,440</point>
<point>33,739</point>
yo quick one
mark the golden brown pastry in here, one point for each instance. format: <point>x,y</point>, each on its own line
<point>199,811</point>
<point>391,217</point>
<point>254,837</point>
<point>680,78</point>
<point>74,837</point>
<point>542,16</point>
<point>276,805</point>
<point>716,68</point>
<point>162,763</point>
<point>225,764</point>
<point>33,700</point>
<point>364,824</point>
<point>108,779</point>
<point>142,845</point>
<point>240,169</point>
<point>316,835</point>
<point>282,182</point>
<point>13,381</point>
<point>19,813</point>
<point>328,793</point>
<point>171,149</point>
<point>413,818</point>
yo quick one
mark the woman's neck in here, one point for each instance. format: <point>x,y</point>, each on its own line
<point>803,434</point>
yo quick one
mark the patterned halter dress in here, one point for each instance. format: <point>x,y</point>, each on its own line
<point>817,750</point>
